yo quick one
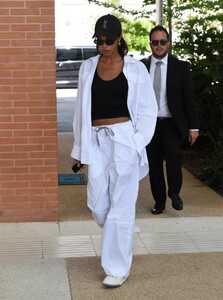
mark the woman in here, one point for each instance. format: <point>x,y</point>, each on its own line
<point>114,120</point>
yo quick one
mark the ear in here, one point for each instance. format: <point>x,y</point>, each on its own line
<point>120,37</point>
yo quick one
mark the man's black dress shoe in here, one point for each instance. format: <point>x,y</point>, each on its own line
<point>177,202</point>
<point>158,210</point>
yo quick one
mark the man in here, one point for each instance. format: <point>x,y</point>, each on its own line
<point>177,119</point>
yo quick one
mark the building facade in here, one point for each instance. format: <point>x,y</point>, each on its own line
<point>28,113</point>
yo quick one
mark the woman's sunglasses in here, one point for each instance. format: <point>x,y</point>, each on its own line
<point>156,42</point>
<point>100,42</point>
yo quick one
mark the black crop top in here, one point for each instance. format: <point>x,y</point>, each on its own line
<point>109,98</point>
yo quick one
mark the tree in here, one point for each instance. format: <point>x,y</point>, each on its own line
<point>200,41</point>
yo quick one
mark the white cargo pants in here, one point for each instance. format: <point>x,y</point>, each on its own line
<point>112,191</point>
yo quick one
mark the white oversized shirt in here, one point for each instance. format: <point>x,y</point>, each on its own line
<point>141,103</point>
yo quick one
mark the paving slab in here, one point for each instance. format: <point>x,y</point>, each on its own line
<point>33,279</point>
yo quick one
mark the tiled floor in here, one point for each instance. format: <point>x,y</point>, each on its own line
<point>89,245</point>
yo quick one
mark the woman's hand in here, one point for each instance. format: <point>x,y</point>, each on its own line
<point>77,166</point>
<point>76,162</point>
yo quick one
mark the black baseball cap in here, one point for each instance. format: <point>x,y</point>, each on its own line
<point>109,26</point>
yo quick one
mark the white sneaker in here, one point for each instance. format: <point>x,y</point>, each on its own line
<point>113,282</point>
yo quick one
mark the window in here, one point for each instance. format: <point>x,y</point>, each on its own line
<point>69,54</point>
<point>89,52</point>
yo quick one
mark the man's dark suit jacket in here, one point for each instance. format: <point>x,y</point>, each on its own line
<point>180,94</point>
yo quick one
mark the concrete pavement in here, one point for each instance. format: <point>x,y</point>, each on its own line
<point>174,258</point>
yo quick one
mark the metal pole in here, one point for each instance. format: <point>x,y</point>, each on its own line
<point>159,12</point>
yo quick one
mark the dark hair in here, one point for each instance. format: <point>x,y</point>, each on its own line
<point>122,48</point>
<point>158,28</point>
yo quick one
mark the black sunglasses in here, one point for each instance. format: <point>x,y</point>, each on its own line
<point>156,42</point>
<point>100,42</point>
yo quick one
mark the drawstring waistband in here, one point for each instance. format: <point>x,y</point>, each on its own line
<point>107,130</point>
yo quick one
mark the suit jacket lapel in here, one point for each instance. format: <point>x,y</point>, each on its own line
<point>169,74</point>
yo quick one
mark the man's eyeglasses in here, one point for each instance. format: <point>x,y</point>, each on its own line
<point>100,42</point>
<point>156,42</point>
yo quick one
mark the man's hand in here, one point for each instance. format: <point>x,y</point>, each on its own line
<point>192,136</point>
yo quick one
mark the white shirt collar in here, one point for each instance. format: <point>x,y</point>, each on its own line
<point>164,60</point>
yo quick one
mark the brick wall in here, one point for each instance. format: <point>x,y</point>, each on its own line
<point>28,124</point>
